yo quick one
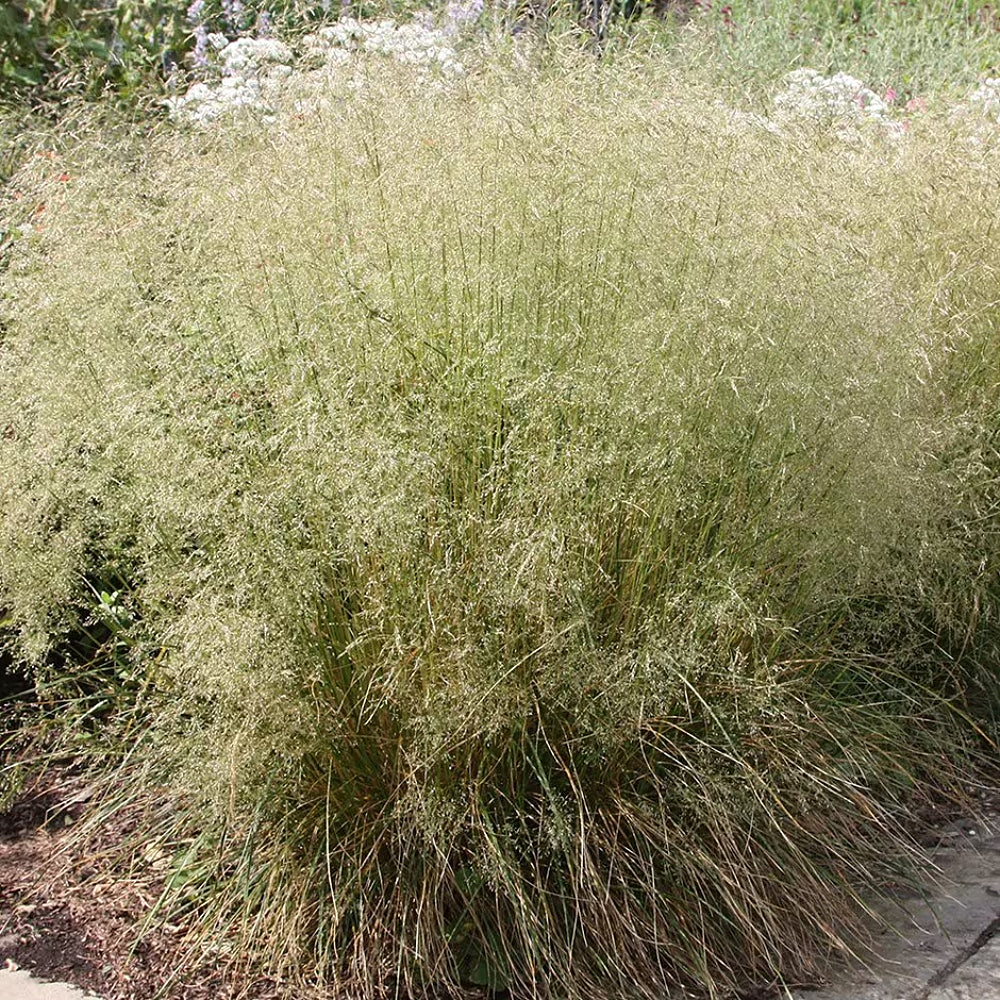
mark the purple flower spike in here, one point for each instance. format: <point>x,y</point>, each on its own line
<point>232,11</point>
<point>200,55</point>
<point>460,13</point>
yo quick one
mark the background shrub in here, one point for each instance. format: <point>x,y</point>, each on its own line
<point>125,46</point>
<point>51,48</point>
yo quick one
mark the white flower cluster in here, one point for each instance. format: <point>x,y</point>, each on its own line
<point>839,100</point>
<point>249,56</point>
<point>987,98</point>
<point>252,71</point>
<point>417,42</point>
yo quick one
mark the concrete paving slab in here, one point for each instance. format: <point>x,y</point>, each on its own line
<point>16,984</point>
<point>942,945</point>
<point>975,979</point>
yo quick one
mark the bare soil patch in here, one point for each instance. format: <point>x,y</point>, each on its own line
<point>67,915</point>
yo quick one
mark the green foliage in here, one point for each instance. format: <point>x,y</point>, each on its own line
<point>131,47</point>
<point>48,46</point>
<point>17,43</point>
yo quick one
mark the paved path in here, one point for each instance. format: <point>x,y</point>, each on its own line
<point>944,946</point>
<point>20,985</point>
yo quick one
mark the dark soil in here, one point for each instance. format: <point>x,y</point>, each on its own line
<point>65,916</point>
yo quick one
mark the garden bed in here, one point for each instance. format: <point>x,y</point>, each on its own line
<point>528,529</point>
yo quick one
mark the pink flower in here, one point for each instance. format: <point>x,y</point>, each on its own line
<point>916,104</point>
<point>890,95</point>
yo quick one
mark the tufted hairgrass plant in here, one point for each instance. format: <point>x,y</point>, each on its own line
<point>540,536</point>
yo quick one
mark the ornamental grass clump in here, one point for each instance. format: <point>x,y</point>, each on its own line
<point>517,543</point>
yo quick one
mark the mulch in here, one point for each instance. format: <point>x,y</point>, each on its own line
<point>66,915</point>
